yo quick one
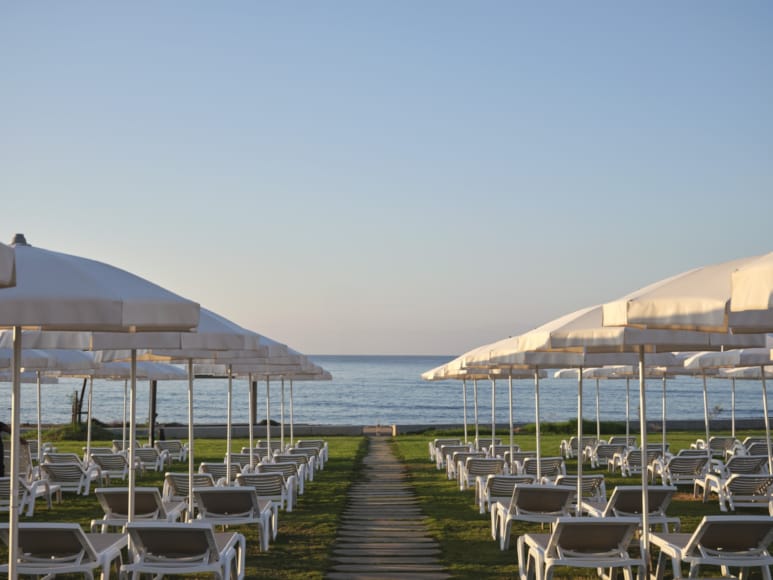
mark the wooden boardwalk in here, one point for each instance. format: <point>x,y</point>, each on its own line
<point>382,534</point>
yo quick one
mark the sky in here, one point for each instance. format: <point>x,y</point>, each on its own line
<point>389,177</point>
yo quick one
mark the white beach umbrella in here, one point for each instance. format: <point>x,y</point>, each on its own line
<point>7,266</point>
<point>56,291</point>
<point>751,299</point>
<point>578,338</point>
<point>759,357</point>
<point>28,377</point>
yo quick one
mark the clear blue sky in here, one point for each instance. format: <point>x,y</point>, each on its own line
<point>390,176</point>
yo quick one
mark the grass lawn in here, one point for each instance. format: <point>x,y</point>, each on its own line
<point>464,533</point>
<point>305,536</point>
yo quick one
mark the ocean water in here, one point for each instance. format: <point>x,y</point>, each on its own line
<point>371,390</point>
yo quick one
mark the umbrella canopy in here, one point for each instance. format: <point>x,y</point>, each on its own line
<point>28,377</point>
<point>7,266</point>
<point>751,299</point>
<point>56,291</point>
<point>60,291</point>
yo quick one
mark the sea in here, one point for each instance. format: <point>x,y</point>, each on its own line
<point>386,390</point>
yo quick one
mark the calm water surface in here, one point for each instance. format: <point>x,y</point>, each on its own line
<point>369,390</point>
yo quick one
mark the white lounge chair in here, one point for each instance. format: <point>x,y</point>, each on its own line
<point>148,505</point>
<point>499,488</point>
<point>530,503</point>
<point>270,487</point>
<point>580,543</point>
<point>473,473</point>
<point>233,506</point>
<point>47,549</point>
<point>625,501</point>
<point>71,476</point>
<point>175,449</point>
<point>28,493</point>
<point>184,549</point>
<point>724,541</point>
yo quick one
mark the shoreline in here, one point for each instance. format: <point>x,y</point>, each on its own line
<point>241,430</point>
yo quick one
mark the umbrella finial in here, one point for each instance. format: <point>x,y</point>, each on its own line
<point>19,240</point>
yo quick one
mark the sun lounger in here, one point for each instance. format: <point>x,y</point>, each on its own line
<point>739,490</point>
<point>724,541</point>
<point>514,460</point>
<point>28,493</point>
<point>603,453</point>
<point>622,439</point>
<point>594,487</point>
<point>436,444</point>
<point>112,465</point>
<point>483,443</point>
<point>457,459</point>
<point>148,505</point>
<point>301,466</point>
<point>568,448</point>
<point>530,503</point>
<point>680,469</point>
<point>629,461</point>
<point>290,473</point>
<point>219,472</point>
<point>151,458</point>
<point>580,543</point>
<point>550,467</point>
<point>499,488</point>
<point>184,549</point>
<point>318,444</point>
<point>718,446</point>
<point>71,476</point>
<point>233,506</point>
<point>176,487</point>
<point>625,501</point>
<point>47,549</point>
<point>271,487</point>
<point>446,450</point>
<point>473,472</point>
<point>175,449</point>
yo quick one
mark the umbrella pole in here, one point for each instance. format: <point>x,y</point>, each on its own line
<point>580,449</point>
<point>228,428</point>
<point>706,415</point>
<point>190,439</point>
<point>282,415</point>
<point>627,410</point>
<point>732,406</point>
<point>538,443</point>
<point>88,424</point>
<point>292,416</point>
<point>475,402</point>
<point>464,408</point>
<point>493,408</point>
<point>598,413</point>
<point>268,417</point>
<point>13,515</point>
<point>123,423</point>
<point>663,419</point>
<point>645,518</point>
<point>510,401</point>
<point>132,433</point>
<point>767,419</point>
<point>40,427</point>
<point>250,428</point>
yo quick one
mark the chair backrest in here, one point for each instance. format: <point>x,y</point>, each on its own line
<point>687,465</point>
<point>176,484</point>
<point>115,501</point>
<point>265,484</point>
<point>5,492</point>
<point>758,448</point>
<point>318,443</point>
<point>549,466</point>
<point>289,458</point>
<point>286,469</point>
<point>243,459</point>
<point>63,472</point>
<point>189,543</point>
<point>626,500</point>
<point>53,543</point>
<point>259,453</point>
<point>719,445</point>
<point>219,470</point>
<point>729,534</point>
<point>486,442</point>
<point>61,458</point>
<point>484,466</point>
<point>622,439</point>
<point>463,456</point>
<point>451,449</point>
<point>307,452</point>
<point>592,484</point>
<point>110,461</point>
<point>147,454</point>
<point>519,455</point>
<point>502,485</point>
<point>584,537</point>
<point>749,484</point>
<point>437,443</point>
<point>541,499</point>
<point>500,450</point>
<point>746,464</point>
<point>226,501</point>
<point>174,446</point>
<point>691,453</point>
<point>608,450</point>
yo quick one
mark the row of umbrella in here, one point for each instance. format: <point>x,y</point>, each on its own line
<point>51,300</point>
<point>722,307</point>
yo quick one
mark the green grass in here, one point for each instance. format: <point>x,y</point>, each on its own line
<point>306,535</point>
<point>464,534</point>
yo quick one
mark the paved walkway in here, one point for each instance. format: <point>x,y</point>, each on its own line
<point>382,534</point>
